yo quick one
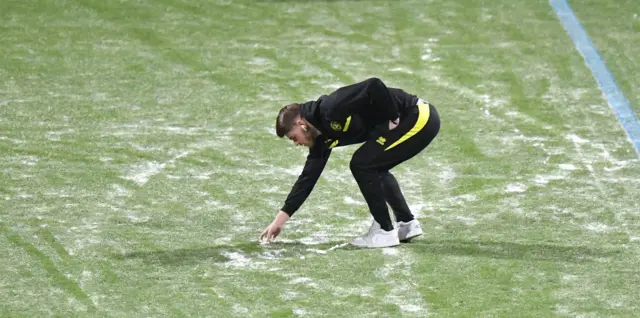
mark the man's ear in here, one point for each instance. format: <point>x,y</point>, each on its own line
<point>302,124</point>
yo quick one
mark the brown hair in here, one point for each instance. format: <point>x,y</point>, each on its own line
<point>286,116</point>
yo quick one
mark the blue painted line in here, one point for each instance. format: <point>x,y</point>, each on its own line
<point>600,72</point>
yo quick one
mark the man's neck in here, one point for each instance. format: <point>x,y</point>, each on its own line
<point>314,132</point>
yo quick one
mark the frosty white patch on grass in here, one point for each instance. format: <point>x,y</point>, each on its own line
<point>29,160</point>
<point>273,189</point>
<point>342,292</point>
<point>300,311</point>
<point>569,277</point>
<point>542,180</point>
<point>447,174</point>
<point>350,200</point>
<point>84,227</point>
<point>261,61</point>
<point>13,140</point>
<point>366,291</point>
<point>271,131</point>
<point>617,164</point>
<point>84,277</point>
<point>567,166</point>
<point>55,135</point>
<point>402,70</point>
<point>395,51</point>
<point>100,97</point>
<point>576,139</point>
<point>202,176</point>
<point>58,194</point>
<point>463,198</point>
<point>118,191</point>
<point>271,254</point>
<point>300,280</point>
<point>88,241</point>
<point>485,14</point>
<point>564,311</point>
<point>410,308</point>
<point>239,260</point>
<point>521,117</point>
<point>390,251</point>
<point>316,238</point>
<point>145,147</point>
<point>292,171</point>
<point>136,219</point>
<point>315,250</point>
<point>142,172</point>
<point>427,54</point>
<point>76,305</point>
<point>597,227</point>
<point>337,246</point>
<point>289,295</point>
<point>516,188</point>
<point>511,141</point>
<point>240,309</point>
<point>397,268</point>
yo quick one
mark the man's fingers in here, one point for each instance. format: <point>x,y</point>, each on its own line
<point>263,234</point>
<point>269,234</point>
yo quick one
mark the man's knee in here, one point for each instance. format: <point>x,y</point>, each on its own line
<point>361,166</point>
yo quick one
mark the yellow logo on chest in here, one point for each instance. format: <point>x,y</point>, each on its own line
<point>336,125</point>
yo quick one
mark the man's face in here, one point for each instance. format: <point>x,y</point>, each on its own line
<point>301,137</point>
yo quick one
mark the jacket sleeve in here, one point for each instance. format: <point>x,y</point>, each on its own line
<point>371,95</point>
<point>313,167</point>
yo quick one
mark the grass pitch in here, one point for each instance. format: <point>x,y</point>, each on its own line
<point>139,161</point>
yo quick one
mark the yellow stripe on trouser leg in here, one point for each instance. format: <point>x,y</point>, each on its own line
<point>423,117</point>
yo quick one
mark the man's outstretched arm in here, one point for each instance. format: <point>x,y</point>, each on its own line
<point>307,180</point>
<point>316,161</point>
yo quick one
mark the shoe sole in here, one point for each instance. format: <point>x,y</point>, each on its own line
<point>410,237</point>
<point>366,246</point>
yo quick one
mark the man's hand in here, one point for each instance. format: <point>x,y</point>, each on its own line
<point>394,123</point>
<point>270,233</point>
<point>274,229</point>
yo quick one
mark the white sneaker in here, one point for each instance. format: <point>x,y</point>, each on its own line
<point>377,237</point>
<point>408,230</point>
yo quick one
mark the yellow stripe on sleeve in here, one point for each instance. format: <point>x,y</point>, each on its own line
<point>346,125</point>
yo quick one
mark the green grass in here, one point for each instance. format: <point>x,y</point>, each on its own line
<point>139,161</point>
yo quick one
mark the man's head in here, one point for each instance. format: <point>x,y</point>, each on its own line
<point>289,123</point>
